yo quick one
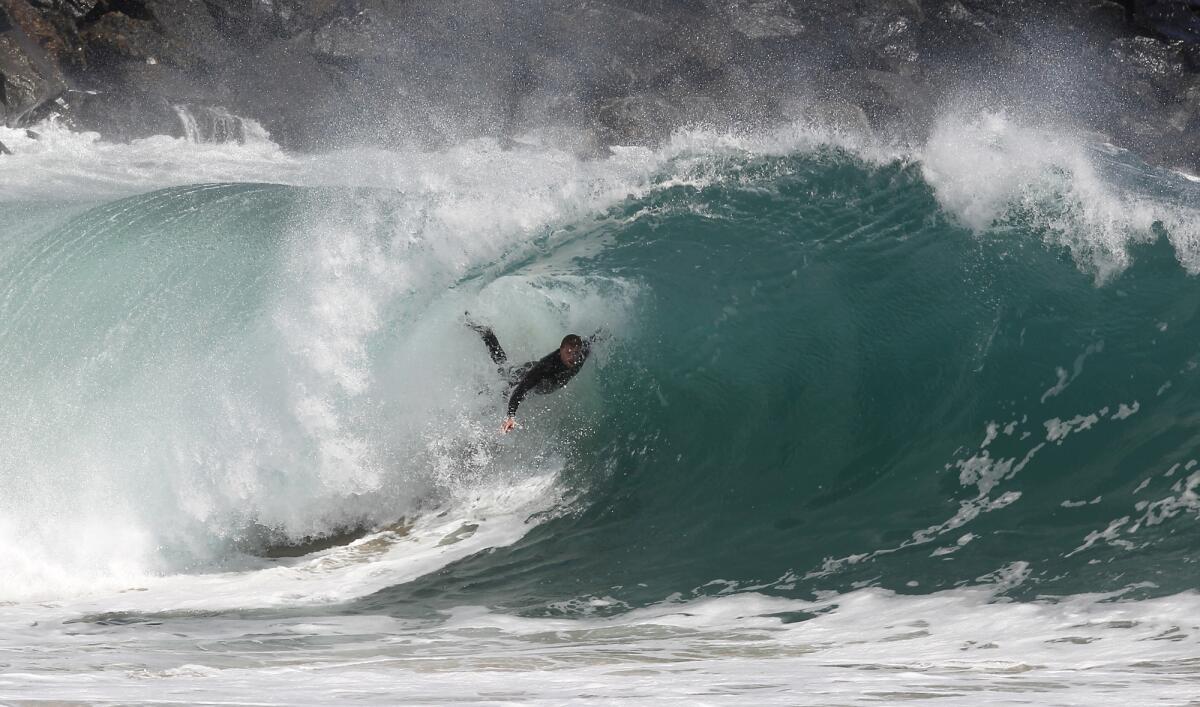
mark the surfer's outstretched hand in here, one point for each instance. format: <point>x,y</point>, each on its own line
<point>508,425</point>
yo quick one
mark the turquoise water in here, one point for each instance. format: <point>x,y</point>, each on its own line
<point>868,423</point>
<point>818,379</point>
<point>802,403</point>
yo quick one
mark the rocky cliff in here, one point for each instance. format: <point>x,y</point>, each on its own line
<point>321,73</point>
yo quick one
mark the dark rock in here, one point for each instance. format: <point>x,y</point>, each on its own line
<point>76,9</point>
<point>1185,118</point>
<point>956,33</point>
<point>1151,58</point>
<point>366,36</point>
<point>1170,19</point>
<point>137,9</point>
<point>319,73</point>
<point>763,19</point>
<point>4,149</point>
<point>888,102</point>
<point>115,36</point>
<point>639,119</point>
<point>1105,16</point>
<point>39,30</point>
<point>29,79</point>
<point>126,115</point>
<point>886,39</point>
<point>1148,69</point>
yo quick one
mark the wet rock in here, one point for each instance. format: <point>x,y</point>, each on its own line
<point>318,73</point>
<point>76,9</point>
<point>763,19</point>
<point>1149,57</point>
<point>639,119</point>
<point>116,36</point>
<point>954,32</point>
<point>39,29</point>
<point>1107,16</point>
<point>837,114</point>
<point>368,35</point>
<point>886,39</point>
<point>126,115</point>
<point>1151,71</point>
<point>137,9</point>
<point>1186,116</point>
<point>1191,56</point>
<point>29,80</point>
<point>1170,19</point>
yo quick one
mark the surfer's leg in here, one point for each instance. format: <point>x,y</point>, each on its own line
<point>492,343</point>
<point>493,346</point>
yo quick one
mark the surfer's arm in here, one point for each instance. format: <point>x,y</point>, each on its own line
<point>527,383</point>
<point>514,401</point>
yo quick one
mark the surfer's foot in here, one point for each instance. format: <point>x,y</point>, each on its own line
<point>472,325</point>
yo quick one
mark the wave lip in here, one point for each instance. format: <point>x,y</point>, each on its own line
<point>993,171</point>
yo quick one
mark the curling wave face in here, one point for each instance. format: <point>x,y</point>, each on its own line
<point>842,373</point>
<point>833,365</point>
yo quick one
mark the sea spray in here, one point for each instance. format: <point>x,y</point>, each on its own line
<point>848,413</point>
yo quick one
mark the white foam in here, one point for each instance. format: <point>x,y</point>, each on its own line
<point>492,515</point>
<point>990,169</point>
<point>960,646</point>
<point>61,165</point>
<point>355,398</point>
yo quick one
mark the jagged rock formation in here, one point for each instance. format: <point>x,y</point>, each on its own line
<point>30,78</point>
<point>325,72</point>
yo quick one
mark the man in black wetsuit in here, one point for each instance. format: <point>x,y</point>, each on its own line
<point>545,375</point>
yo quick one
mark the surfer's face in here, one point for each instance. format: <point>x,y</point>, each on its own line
<point>570,355</point>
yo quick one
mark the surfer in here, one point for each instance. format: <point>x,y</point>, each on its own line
<point>545,375</point>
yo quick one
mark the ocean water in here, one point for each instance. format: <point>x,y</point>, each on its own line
<point>871,423</point>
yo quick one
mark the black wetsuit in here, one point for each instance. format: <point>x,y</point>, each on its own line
<point>544,375</point>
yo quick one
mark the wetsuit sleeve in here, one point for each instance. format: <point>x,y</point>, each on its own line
<point>528,382</point>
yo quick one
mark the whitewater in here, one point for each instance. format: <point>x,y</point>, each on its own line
<point>876,421</point>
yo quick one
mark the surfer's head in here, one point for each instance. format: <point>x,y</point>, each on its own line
<point>571,350</point>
